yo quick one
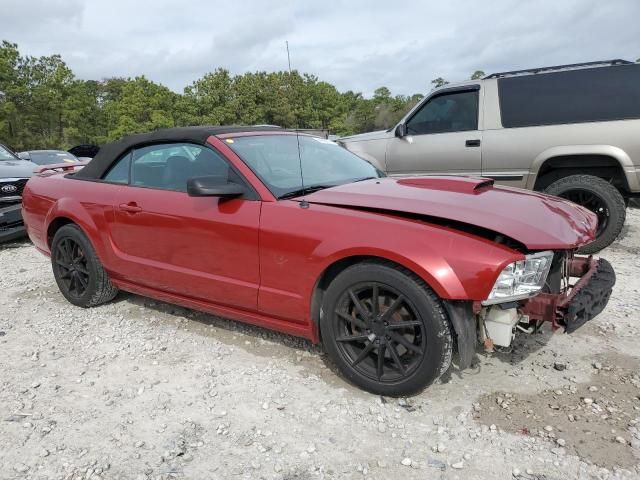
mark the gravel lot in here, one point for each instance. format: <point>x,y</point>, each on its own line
<point>142,389</point>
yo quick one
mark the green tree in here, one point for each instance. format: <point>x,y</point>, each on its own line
<point>477,75</point>
<point>438,82</point>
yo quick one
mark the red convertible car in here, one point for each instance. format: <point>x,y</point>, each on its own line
<point>296,234</point>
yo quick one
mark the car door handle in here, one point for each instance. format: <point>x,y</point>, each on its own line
<point>130,207</point>
<point>472,143</point>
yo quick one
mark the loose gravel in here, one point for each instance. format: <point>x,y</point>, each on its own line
<point>138,389</point>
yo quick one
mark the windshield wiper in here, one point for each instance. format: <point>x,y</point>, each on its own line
<point>303,191</point>
<point>363,179</point>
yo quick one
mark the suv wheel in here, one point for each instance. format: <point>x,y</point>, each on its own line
<point>385,329</point>
<point>601,198</point>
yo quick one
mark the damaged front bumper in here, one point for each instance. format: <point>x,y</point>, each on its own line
<point>577,304</point>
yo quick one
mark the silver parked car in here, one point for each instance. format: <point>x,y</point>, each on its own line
<point>571,131</point>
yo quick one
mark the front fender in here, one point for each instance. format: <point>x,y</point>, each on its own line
<point>456,265</point>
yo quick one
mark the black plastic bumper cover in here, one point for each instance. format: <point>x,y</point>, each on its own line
<point>591,298</point>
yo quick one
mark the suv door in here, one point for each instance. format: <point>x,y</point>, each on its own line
<point>201,247</point>
<point>441,136</point>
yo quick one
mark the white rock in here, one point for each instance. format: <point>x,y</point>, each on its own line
<point>458,465</point>
<point>561,442</point>
<point>587,400</point>
<point>441,448</point>
<point>515,472</point>
<point>621,440</point>
<point>406,461</point>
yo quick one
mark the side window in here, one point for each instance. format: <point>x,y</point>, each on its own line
<point>169,166</point>
<point>449,112</point>
<point>119,173</point>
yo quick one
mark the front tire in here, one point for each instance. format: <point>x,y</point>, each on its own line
<point>79,274</point>
<point>601,198</point>
<point>385,329</point>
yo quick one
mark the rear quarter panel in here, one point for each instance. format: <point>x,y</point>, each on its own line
<point>88,204</point>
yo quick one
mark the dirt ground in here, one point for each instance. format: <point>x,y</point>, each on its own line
<point>141,389</point>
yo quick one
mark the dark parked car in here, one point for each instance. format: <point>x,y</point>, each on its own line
<point>48,157</point>
<point>14,173</point>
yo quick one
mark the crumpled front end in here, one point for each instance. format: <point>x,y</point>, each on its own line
<point>576,290</point>
<point>574,305</point>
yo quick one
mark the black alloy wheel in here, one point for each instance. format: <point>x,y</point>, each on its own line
<point>599,196</point>
<point>79,274</point>
<point>380,334</point>
<point>591,201</point>
<point>73,271</point>
<point>385,329</point>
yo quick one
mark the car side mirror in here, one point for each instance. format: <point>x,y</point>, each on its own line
<point>401,130</point>
<point>24,156</point>
<point>213,186</point>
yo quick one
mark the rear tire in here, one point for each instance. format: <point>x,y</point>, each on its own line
<point>396,345</point>
<point>79,274</point>
<point>601,198</point>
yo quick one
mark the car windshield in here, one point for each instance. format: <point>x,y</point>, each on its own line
<point>276,160</point>
<point>6,154</point>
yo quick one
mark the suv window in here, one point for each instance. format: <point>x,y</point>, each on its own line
<point>448,112</point>
<point>575,96</point>
<point>168,166</point>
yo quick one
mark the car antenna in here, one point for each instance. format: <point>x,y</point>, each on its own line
<point>303,202</point>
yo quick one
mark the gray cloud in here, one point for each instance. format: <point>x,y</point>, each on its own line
<point>357,45</point>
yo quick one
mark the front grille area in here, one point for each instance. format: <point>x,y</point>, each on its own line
<point>6,190</point>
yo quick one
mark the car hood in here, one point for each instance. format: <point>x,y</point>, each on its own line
<point>377,135</point>
<point>16,168</point>
<point>536,220</point>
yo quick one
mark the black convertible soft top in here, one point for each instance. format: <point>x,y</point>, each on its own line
<point>110,152</point>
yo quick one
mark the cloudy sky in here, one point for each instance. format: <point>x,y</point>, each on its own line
<point>357,44</point>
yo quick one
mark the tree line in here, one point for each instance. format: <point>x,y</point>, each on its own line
<point>43,105</point>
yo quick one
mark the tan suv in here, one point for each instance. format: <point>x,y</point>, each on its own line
<point>572,131</point>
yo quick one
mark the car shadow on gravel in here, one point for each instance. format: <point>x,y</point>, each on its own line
<point>523,347</point>
<point>251,338</point>
<point>22,242</point>
<point>267,343</point>
<point>228,328</point>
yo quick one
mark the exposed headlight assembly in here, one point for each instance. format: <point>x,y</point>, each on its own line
<point>521,279</point>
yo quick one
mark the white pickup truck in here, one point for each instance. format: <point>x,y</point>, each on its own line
<point>571,131</point>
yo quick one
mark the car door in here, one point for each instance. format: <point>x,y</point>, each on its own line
<point>441,136</point>
<point>199,247</point>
